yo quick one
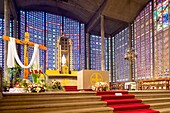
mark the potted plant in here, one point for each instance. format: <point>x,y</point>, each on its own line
<point>5,86</point>
<point>14,72</point>
<point>55,85</point>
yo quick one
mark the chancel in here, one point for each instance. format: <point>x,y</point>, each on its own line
<point>84,56</point>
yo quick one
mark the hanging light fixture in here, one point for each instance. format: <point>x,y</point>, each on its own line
<point>130,54</point>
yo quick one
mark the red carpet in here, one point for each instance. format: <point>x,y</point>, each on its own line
<point>125,103</point>
<point>70,88</point>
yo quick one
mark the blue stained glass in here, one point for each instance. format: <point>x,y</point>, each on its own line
<point>54,28</point>
<point>95,52</point>
<point>2,43</point>
<point>72,30</point>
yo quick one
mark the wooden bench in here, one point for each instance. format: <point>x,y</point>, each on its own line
<point>154,84</point>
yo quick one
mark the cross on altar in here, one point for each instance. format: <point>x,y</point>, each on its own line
<point>26,44</point>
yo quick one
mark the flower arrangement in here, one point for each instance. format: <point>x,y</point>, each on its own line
<point>6,86</point>
<point>100,86</point>
<point>36,88</point>
<point>35,75</point>
<point>22,84</point>
<point>55,85</point>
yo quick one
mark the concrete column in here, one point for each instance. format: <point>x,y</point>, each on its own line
<point>102,43</point>
<point>130,48</point>
<point>15,28</point>
<point>88,51</point>
<point>111,58</point>
<point>6,32</point>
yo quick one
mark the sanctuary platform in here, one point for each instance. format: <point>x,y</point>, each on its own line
<point>87,102</point>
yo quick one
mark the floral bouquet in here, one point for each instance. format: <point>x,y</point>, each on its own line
<point>35,75</point>
<point>22,84</point>
<point>56,85</point>
<point>36,88</point>
<point>100,86</point>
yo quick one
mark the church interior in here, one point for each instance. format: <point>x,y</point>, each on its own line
<point>84,56</point>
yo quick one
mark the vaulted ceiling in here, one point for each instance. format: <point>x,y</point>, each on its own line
<point>117,13</point>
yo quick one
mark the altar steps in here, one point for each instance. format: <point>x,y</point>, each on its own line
<point>58,102</point>
<point>157,99</point>
<point>27,101</point>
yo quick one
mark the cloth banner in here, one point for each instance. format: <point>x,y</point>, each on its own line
<point>12,54</point>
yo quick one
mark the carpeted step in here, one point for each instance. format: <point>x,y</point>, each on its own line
<point>139,111</point>
<point>157,99</point>
<point>123,96</point>
<point>124,101</point>
<point>112,92</point>
<point>130,107</point>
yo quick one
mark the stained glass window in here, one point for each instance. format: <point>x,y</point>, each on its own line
<point>161,38</point>
<point>32,22</point>
<point>72,30</point>
<point>35,27</point>
<point>37,22</point>
<point>121,66</point>
<point>95,52</point>
<point>113,59</point>
<point>22,31</point>
<point>53,31</point>
<point>108,55</point>
<point>82,60</point>
<point>143,43</point>
<point>1,43</point>
<point>11,28</point>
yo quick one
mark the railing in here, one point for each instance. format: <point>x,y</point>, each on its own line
<point>154,84</point>
<point>117,86</point>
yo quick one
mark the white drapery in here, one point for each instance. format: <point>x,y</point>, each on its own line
<point>12,53</point>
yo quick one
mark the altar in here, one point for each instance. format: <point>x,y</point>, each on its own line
<point>87,78</point>
<point>64,79</point>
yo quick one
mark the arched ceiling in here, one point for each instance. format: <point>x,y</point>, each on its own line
<point>117,12</point>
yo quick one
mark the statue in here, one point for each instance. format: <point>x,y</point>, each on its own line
<point>63,60</point>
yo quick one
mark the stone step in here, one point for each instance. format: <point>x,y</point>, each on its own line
<point>26,101</point>
<point>86,110</point>
<point>144,96</point>
<point>155,100</point>
<point>51,107</point>
<point>164,110</point>
<point>47,94</point>
<point>160,105</point>
<point>141,92</point>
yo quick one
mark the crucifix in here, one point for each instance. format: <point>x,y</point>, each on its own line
<point>26,44</point>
